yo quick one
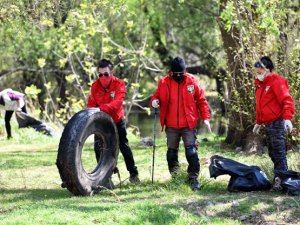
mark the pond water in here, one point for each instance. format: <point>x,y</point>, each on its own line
<point>145,124</point>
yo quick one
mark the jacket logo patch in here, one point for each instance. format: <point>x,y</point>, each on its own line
<point>267,88</point>
<point>112,94</point>
<point>191,88</point>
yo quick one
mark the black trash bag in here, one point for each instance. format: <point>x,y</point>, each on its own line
<point>289,181</point>
<point>243,177</point>
<point>25,120</point>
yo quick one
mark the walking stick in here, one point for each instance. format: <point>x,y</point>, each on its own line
<point>154,142</point>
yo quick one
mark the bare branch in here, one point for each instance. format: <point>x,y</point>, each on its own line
<point>76,77</point>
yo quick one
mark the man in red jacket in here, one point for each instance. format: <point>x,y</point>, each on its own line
<point>275,109</point>
<point>108,93</point>
<point>182,103</point>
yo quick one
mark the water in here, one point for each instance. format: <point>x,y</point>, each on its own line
<point>145,124</point>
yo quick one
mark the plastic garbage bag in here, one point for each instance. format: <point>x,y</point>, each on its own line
<point>243,177</point>
<point>25,120</point>
<point>289,181</point>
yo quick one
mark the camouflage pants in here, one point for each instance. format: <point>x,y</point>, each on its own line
<point>277,144</point>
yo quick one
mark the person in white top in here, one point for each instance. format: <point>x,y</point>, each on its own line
<point>11,101</point>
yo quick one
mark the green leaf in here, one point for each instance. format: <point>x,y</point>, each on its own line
<point>41,62</point>
<point>32,91</point>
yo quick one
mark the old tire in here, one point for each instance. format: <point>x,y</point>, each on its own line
<point>69,163</point>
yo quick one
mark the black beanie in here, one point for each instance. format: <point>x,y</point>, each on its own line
<point>177,65</point>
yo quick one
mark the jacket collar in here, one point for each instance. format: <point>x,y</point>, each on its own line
<point>265,81</point>
<point>186,79</point>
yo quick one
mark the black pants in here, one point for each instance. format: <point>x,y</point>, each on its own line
<point>277,144</point>
<point>123,145</point>
<point>125,148</point>
<point>189,137</point>
<point>7,118</point>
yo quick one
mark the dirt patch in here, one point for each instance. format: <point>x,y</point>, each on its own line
<point>3,211</point>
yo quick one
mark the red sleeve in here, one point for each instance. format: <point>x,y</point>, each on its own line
<point>156,94</point>
<point>257,121</point>
<point>284,98</point>
<point>91,101</point>
<point>257,94</point>
<point>201,102</point>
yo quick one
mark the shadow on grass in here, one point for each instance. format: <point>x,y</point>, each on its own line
<point>135,211</point>
<point>246,207</point>
<point>154,214</point>
<point>154,203</point>
<point>144,191</point>
<point>33,194</point>
<point>215,203</point>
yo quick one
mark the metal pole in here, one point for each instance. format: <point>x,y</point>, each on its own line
<point>154,142</point>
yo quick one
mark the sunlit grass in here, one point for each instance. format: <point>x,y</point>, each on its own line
<point>30,191</point>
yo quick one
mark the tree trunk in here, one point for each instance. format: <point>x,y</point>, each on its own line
<point>239,127</point>
<point>61,84</point>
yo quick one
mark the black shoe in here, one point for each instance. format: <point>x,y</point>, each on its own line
<point>63,185</point>
<point>134,179</point>
<point>195,185</point>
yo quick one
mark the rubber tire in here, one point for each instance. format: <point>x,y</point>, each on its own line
<point>78,129</point>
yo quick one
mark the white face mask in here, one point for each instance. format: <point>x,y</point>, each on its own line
<point>261,77</point>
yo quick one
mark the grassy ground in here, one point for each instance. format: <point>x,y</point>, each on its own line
<point>30,191</point>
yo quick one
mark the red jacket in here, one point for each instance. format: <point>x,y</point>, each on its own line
<point>109,100</point>
<point>193,102</point>
<point>273,100</point>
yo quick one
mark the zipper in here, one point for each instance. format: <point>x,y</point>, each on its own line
<point>167,103</point>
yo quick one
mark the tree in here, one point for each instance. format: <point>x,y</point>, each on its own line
<point>249,30</point>
<point>55,46</point>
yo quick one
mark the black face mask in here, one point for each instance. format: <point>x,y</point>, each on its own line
<point>178,77</point>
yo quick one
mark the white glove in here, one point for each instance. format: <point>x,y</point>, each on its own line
<point>256,128</point>
<point>155,103</point>
<point>288,126</point>
<point>206,122</point>
<point>19,110</point>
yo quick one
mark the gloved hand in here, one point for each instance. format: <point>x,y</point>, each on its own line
<point>256,128</point>
<point>288,126</point>
<point>19,110</point>
<point>206,122</point>
<point>155,103</point>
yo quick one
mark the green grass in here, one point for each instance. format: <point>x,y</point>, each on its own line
<point>30,191</point>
